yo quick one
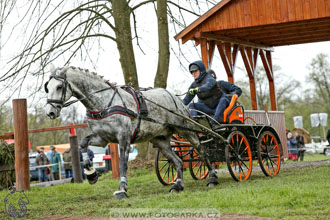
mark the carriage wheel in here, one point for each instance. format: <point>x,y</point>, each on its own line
<point>198,169</point>
<point>269,155</point>
<point>238,156</point>
<point>165,169</point>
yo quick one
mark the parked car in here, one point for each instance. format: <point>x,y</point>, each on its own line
<point>99,162</point>
<point>318,146</point>
<point>34,173</point>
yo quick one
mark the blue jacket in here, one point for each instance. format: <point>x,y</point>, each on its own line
<point>292,146</point>
<point>210,82</point>
<point>229,88</point>
<point>56,158</point>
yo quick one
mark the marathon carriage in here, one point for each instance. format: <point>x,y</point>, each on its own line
<point>120,114</point>
<point>246,143</point>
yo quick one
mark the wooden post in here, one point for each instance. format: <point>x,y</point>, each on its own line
<point>22,169</point>
<point>77,175</point>
<point>60,170</point>
<point>114,160</point>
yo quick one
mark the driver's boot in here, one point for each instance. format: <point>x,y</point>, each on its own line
<point>214,125</point>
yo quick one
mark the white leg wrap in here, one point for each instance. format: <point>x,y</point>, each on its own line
<point>85,156</point>
<point>123,179</point>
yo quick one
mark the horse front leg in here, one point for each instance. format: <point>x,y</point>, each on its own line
<point>124,148</point>
<point>94,139</point>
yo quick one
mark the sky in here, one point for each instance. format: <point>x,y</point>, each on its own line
<point>293,60</point>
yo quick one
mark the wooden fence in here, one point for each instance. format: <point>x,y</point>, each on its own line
<point>20,135</point>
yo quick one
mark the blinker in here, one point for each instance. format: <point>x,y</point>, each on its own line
<point>45,87</point>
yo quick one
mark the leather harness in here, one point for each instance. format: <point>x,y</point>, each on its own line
<point>123,110</point>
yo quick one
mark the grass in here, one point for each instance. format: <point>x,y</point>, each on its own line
<point>296,193</point>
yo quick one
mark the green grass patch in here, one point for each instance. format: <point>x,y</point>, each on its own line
<point>311,157</point>
<point>296,193</point>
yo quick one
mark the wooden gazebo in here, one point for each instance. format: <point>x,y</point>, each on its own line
<point>253,28</point>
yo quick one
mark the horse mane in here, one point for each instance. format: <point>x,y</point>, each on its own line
<point>85,72</point>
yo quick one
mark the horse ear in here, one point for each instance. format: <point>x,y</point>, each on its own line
<point>52,68</point>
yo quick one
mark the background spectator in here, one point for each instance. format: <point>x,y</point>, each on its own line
<point>292,147</point>
<point>56,158</point>
<point>42,160</point>
<point>90,154</point>
<point>301,146</point>
<point>67,159</point>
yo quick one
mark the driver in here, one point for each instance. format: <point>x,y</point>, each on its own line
<point>212,99</point>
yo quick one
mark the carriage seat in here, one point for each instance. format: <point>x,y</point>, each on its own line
<point>234,113</point>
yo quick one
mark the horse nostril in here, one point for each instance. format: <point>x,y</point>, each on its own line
<point>51,115</point>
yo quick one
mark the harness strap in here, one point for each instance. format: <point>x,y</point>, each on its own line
<point>116,109</point>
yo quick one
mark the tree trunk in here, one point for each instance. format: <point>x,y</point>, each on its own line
<point>163,44</point>
<point>121,16</point>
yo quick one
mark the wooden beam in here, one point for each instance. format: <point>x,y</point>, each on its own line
<point>211,51</point>
<point>204,52</point>
<point>10,135</point>
<point>277,26</point>
<point>285,33</point>
<point>299,40</point>
<point>228,56</point>
<point>267,63</point>
<point>222,38</point>
<point>250,65</point>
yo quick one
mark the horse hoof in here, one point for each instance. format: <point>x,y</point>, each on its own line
<point>173,191</point>
<point>176,188</point>
<point>211,185</point>
<point>212,182</point>
<point>121,195</point>
<point>92,175</point>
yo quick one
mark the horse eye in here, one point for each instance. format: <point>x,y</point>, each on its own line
<point>59,87</point>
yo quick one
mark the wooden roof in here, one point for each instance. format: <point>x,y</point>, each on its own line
<point>263,22</point>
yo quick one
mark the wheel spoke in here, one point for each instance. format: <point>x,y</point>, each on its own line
<point>160,169</point>
<point>195,165</point>
<point>166,171</point>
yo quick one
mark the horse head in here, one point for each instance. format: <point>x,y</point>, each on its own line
<point>59,91</point>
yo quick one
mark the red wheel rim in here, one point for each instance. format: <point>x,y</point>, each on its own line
<point>269,154</point>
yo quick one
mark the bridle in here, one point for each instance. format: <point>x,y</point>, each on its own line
<point>65,86</point>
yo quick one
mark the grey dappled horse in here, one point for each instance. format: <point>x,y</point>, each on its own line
<point>113,116</point>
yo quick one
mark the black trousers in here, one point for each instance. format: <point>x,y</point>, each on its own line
<point>301,154</point>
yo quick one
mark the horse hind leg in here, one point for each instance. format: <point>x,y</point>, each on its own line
<point>193,139</point>
<point>164,146</point>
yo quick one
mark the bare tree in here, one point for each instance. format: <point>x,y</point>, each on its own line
<point>54,34</point>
